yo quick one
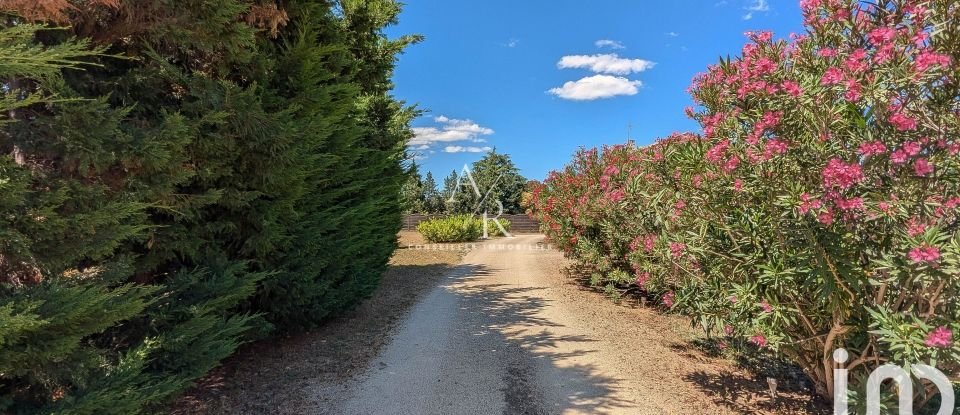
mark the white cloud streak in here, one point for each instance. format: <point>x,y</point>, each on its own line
<point>607,43</point>
<point>462,149</point>
<point>449,130</point>
<point>596,87</point>
<point>609,63</point>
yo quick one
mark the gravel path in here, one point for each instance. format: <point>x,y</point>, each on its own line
<point>506,333</point>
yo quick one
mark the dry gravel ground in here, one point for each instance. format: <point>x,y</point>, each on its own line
<point>503,331</point>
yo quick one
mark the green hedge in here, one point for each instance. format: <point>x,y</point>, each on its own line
<point>197,193</point>
<point>459,228</point>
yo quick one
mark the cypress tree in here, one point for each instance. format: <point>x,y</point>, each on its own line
<point>195,188</point>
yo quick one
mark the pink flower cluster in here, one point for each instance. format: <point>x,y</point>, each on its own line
<point>676,249</point>
<point>941,337</point>
<point>925,254</point>
<point>759,340</point>
<point>668,299</point>
<point>838,174</point>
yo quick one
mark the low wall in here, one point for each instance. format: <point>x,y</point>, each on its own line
<point>518,223</point>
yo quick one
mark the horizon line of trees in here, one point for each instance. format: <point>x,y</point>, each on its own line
<point>496,178</point>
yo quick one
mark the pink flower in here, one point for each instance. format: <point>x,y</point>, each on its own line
<point>872,148</point>
<point>808,203</point>
<point>767,308</point>
<point>856,62</point>
<point>649,242</point>
<point>642,278</point>
<point>774,147</point>
<point>832,76</point>
<point>902,122</point>
<point>898,157</point>
<point>912,148</point>
<point>927,58</point>
<point>925,254</point>
<point>733,299</point>
<point>676,249</point>
<point>731,164</point>
<point>842,175</point>
<point>792,88</point>
<point>738,185</point>
<point>915,227</point>
<point>922,167</point>
<point>882,35</point>
<point>728,330</point>
<point>826,218</point>
<point>616,195</point>
<point>850,204</point>
<point>854,91</point>
<point>668,299</point>
<point>715,154</point>
<point>759,340</point>
<point>941,337</point>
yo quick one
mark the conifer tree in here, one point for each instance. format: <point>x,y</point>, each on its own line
<point>197,185</point>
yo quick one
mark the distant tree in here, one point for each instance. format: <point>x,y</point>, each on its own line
<point>499,180</point>
<point>494,177</point>
<point>432,199</point>
<point>457,196</point>
<point>411,193</point>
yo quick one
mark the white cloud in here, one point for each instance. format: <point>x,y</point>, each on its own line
<point>596,87</point>
<point>607,43</point>
<point>606,63</point>
<point>672,34</point>
<point>448,130</point>
<point>461,149</point>
<point>512,43</point>
<point>757,6</point>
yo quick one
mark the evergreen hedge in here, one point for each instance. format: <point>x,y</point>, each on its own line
<point>181,177</point>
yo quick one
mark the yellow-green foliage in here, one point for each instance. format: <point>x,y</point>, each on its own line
<point>456,228</point>
<point>459,228</point>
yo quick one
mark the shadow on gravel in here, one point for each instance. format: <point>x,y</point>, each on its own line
<point>272,375</point>
<point>542,380</point>
<point>747,396</point>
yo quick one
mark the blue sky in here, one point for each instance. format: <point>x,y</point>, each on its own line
<point>489,72</point>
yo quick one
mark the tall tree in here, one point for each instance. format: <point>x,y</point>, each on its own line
<point>204,189</point>
<point>500,182</point>
<point>412,193</point>
<point>433,201</point>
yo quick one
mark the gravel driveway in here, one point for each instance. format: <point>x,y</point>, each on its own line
<point>506,333</point>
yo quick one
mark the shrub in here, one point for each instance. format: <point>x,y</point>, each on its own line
<point>493,229</point>
<point>455,228</point>
<point>818,210</point>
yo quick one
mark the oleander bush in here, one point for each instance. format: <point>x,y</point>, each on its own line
<point>817,210</point>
